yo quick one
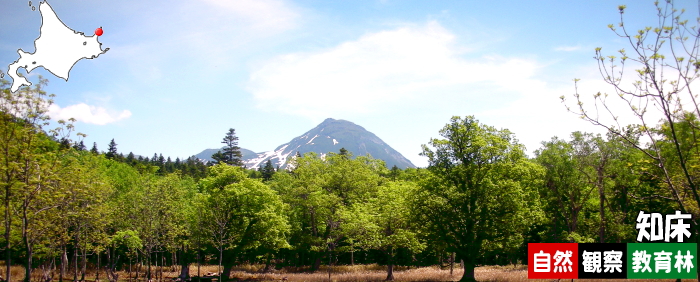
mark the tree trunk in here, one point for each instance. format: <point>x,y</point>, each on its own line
<point>28,246</point>
<point>110,268</point>
<point>221,257</point>
<point>390,265</point>
<point>228,265</point>
<point>352,252</point>
<point>317,262</point>
<point>138,266</point>
<point>148,270</point>
<point>452,263</point>
<point>267,263</point>
<point>97,276</point>
<point>75,266</point>
<point>185,270</point>
<point>84,268</point>
<point>28,267</point>
<point>64,262</point>
<point>330,267</point>
<point>231,256</point>
<point>156,267</point>
<point>468,275</point>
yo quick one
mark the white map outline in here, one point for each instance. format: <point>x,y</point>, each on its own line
<point>57,49</point>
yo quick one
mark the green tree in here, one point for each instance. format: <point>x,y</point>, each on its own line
<point>566,193</point>
<point>384,222</point>
<point>23,168</point>
<point>130,241</point>
<point>112,150</point>
<point>268,171</point>
<point>664,62</point>
<point>231,153</point>
<point>155,209</point>
<point>85,213</point>
<point>80,146</point>
<point>394,173</point>
<point>239,214</point>
<point>94,148</point>
<point>317,190</point>
<point>482,193</point>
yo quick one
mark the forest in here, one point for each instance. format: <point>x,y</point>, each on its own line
<point>69,211</point>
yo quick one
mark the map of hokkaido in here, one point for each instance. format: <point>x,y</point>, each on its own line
<point>57,49</point>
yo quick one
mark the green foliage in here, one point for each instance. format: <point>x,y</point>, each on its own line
<point>384,222</point>
<point>112,150</point>
<point>267,171</point>
<point>231,153</point>
<point>480,197</point>
<point>241,213</point>
<point>128,239</point>
<point>482,191</point>
<point>237,213</point>
<point>665,65</point>
<point>318,189</point>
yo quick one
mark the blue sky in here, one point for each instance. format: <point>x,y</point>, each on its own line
<point>180,73</point>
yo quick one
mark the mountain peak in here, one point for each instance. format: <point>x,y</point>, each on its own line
<point>332,121</point>
<point>329,136</point>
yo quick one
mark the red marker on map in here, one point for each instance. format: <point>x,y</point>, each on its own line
<point>98,31</point>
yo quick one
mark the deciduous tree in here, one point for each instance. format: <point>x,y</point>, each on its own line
<point>482,192</point>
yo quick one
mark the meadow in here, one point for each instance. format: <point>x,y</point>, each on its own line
<point>341,273</point>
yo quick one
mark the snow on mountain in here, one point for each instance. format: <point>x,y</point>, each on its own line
<point>332,132</point>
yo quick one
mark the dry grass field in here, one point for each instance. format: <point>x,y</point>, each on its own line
<point>371,272</point>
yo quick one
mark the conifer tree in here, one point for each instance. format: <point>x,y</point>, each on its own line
<point>394,173</point>
<point>131,159</point>
<point>94,148</point>
<point>231,153</point>
<point>268,170</point>
<point>112,150</point>
<point>65,143</point>
<point>80,146</point>
<point>169,167</point>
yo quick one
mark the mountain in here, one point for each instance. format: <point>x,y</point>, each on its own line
<point>329,136</point>
<point>207,153</point>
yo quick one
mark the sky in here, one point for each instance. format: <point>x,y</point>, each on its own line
<point>180,73</point>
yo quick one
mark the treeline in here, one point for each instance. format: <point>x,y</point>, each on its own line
<point>192,166</point>
<point>480,201</point>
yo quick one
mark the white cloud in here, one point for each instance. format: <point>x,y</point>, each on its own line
<point>379,69</point>
<point>568,48</point>
<point>87,114</point>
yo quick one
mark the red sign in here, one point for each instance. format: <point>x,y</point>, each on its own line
<point>552,261</point>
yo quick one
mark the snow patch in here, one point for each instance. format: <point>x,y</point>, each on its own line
<point>312,139</point>
<point>262,157</point>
